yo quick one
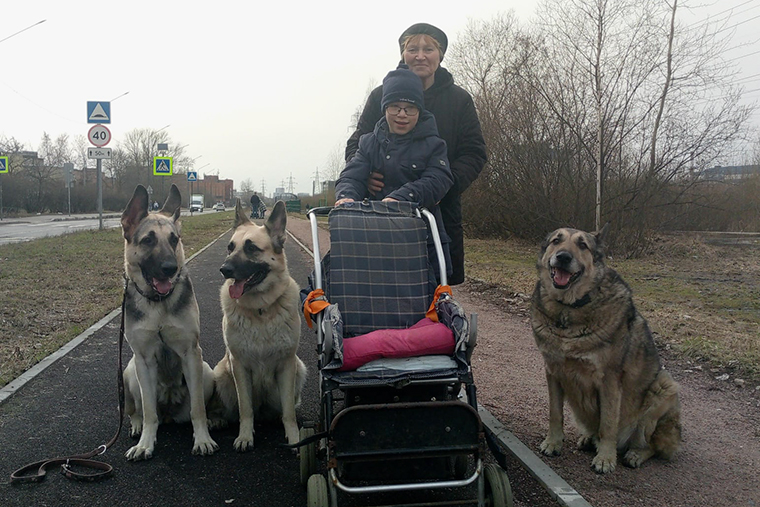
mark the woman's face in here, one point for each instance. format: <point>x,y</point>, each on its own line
<point>423,57</point>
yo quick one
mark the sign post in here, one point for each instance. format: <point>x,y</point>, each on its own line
<point>3,170</point>
<point>99,135</point>
<point>68,167</point>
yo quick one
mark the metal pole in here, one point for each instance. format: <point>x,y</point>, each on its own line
<point>100,197</point>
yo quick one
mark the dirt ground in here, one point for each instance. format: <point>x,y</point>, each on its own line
<point>719,462</point>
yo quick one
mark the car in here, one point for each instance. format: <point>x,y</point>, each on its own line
<point>219,206</point>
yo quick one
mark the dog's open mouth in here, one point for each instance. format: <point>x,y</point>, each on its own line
<point>239,287</point>
<point>562,279</point>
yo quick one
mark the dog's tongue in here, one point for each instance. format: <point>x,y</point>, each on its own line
<point>561,277</point>
<point>162,286</point>
<point>236,289</point>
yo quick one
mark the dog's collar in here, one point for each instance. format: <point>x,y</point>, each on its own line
<point>581,302</point>
<point>155,297</point>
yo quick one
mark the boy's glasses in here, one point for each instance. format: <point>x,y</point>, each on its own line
<point>409,110</point>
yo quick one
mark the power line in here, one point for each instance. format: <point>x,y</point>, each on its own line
<point>737,24</point>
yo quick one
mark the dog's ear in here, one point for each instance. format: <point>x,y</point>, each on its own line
<point>240,216</point>
<point>172,206</point>
<point>276,224</point>
<point>600,237</point>
<point>136,210</point>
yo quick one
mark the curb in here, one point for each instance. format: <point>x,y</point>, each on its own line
<point>558,489</point>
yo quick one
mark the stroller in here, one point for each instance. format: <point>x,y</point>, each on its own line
<point>392,415</point>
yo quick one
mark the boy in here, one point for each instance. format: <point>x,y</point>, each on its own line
<point>406,149</point>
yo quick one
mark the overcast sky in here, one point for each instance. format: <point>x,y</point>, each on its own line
<point>259,90</point>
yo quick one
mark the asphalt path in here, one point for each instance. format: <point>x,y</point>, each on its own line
<point>71,408</point>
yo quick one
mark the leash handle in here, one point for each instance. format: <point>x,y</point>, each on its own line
<point>36,472</point>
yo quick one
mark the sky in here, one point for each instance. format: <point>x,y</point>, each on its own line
<point>257,90</point>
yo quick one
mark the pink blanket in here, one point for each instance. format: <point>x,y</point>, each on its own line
<point>424,338</point>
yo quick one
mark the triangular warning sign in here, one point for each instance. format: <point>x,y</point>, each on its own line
<point>98,113</point>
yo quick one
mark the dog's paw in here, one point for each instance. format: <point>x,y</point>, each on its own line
<point>243,444</point>
<point>551,447</point>
<point>586,443</point>
<point>604,464</point>
<point>634,458</point>
<point>205,447</point>
<point>139,452</point>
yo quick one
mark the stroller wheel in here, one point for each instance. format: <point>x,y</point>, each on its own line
<point>308,455</point>
<point>316,492</point>
<point>498,490</point>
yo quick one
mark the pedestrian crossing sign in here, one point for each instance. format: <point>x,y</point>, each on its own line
<point>3,164</point>
<point>162,166</point>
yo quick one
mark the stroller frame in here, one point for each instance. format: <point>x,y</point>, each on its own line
<point>456,431</point>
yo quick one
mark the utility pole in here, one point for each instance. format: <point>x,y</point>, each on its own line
<point>263,188</point>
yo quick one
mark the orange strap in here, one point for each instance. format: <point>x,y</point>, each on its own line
<point>431,313</point>
<point>313,304</point>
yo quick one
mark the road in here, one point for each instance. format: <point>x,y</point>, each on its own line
<point>17,230</point>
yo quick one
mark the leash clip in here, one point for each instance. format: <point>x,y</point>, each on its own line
<point>102,450</point>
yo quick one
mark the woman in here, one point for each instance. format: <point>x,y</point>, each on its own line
<point>422,49</point>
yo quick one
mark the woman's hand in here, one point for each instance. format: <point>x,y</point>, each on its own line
<point>375,182</point>
<point>390,199</point>
<point>343,201</point>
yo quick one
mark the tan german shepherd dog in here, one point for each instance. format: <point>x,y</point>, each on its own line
<point>599,355</point>
<point>166,379</point>
<point>260,374</point>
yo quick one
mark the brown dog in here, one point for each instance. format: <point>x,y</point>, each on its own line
<point>600,355</point>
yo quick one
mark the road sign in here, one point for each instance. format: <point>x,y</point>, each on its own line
<point>3,164</point>
<point>162,166</point>
<point>192,176</point>
<point>99,135</point>
<point>98,152</point>
<point>98,112</point>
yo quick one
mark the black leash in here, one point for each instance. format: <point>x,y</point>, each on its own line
<point>35,472</point>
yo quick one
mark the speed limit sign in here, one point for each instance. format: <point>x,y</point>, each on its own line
<point>99,135</point>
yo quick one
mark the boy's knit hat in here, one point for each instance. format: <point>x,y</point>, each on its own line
<point>402,85</point>
<point>425,29</point>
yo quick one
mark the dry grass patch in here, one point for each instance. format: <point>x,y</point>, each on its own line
<point>54,288</point>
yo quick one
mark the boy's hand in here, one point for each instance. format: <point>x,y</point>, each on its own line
<point>343,201</point>
<point>375,182</point>
<point>390,199</point>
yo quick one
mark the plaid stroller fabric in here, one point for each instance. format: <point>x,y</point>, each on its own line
<point>379,272</point>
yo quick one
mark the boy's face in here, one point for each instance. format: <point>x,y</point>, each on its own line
<point>405,120</point>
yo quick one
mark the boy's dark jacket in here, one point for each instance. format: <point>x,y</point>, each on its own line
<point>457,122</point>
<point>415,166</point>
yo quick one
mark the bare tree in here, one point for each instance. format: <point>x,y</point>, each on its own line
<point>333,164</point>
<point>47,169</point>
<point>604,116</point>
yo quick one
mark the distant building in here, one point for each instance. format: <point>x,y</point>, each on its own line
<point>732,172</point>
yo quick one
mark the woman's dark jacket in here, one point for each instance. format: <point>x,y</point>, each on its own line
<point>459,126</point>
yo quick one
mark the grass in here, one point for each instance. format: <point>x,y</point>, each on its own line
<point>702,300</point>
<point>54,288</point>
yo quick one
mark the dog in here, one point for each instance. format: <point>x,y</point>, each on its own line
<point>260,374</point>
<point>599,354</point>
<point>166,379</point>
